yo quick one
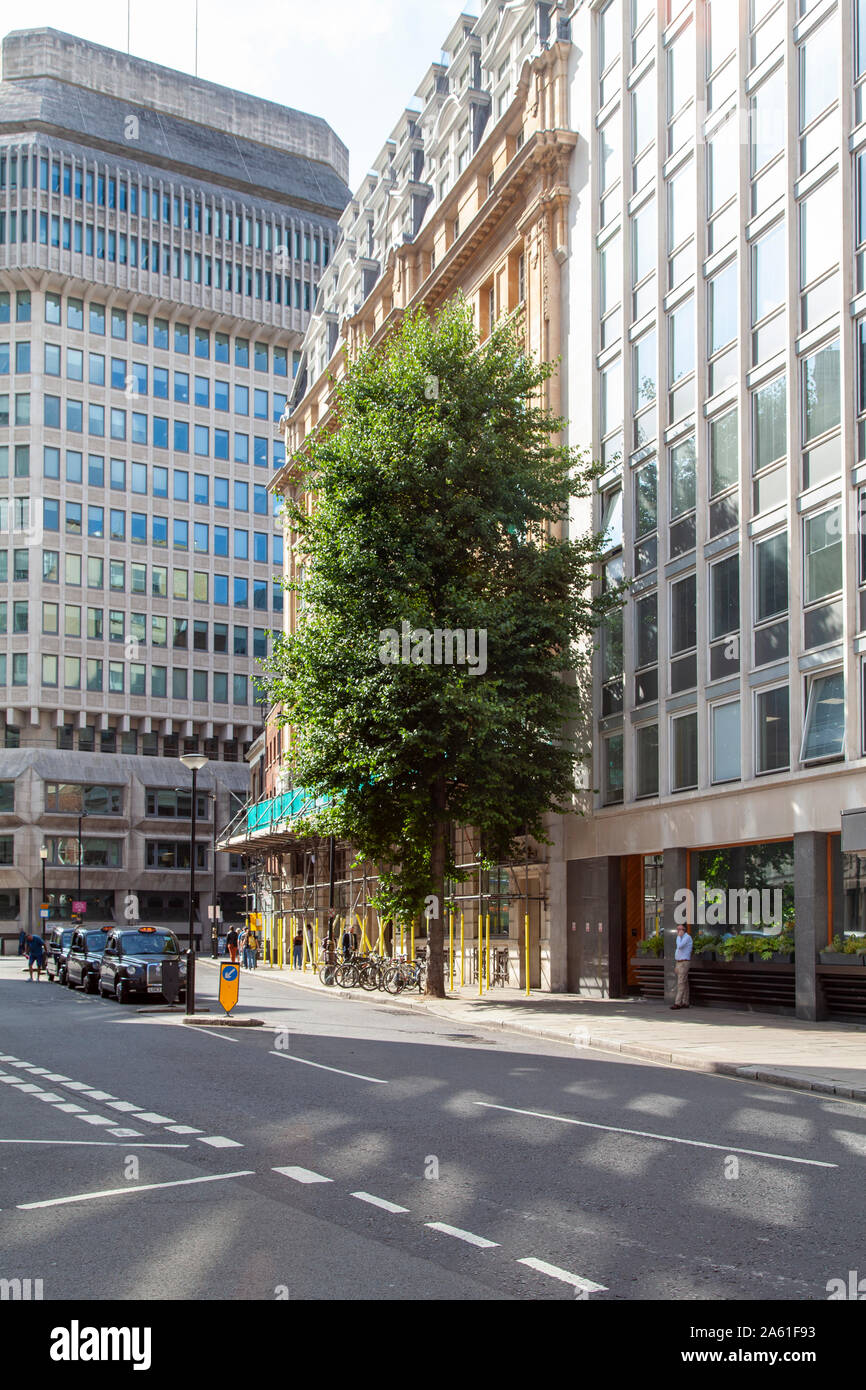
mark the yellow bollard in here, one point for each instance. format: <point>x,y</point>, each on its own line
<point>316,943</point>
<point>480,953</point>
<point>526,938</point>
<point>487,953</point>
<point>412,937</point>
<point>402,937</point>
<point>303,948</point>
<point>462,953</point>
<point>381,938</point>
<point>451,949</point>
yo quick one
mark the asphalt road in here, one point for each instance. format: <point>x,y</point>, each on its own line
<point>352,1151</point>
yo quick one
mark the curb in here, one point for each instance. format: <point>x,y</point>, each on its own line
<point>224,1022</point>
<point>734,1070</point>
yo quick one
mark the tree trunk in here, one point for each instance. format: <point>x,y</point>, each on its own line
<point>436,922</point>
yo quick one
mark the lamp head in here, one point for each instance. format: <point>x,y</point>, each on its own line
<point>194,761</point>
<point>43,852</point>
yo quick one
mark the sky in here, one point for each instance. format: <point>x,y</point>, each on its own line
<point>354,62</point>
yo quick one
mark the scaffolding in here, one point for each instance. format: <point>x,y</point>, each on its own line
<point>310,885</point>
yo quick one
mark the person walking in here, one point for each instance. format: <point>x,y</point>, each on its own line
<point>298,949</point>
<point>347,944</point>
<point>682,961</point>
<point>253,949</point>
<point>232,945</point>
<point>36,955</point>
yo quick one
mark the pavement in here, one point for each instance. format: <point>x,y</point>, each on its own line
<point>829,1059</point>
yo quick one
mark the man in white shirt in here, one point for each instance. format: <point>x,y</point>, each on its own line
<point>682,961</point>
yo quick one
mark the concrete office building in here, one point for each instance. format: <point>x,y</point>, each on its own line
<point>161,240</point>
<point>716,306</point>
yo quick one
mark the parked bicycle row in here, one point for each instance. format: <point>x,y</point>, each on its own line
<point>370,972</point>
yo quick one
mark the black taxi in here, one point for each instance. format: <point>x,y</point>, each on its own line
<point>142,960</point>
<point>85,958</point>
<point>57,944</point>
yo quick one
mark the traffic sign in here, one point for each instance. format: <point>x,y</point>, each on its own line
<point>230,977</point>
<point>43,913</point>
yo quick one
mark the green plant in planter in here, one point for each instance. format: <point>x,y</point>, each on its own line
<point>705,941</point>
<point>837,945</point>
<point>652,945</point>
<point>855,945</point>
<point>737,947</point>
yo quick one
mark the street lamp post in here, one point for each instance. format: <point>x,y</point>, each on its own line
<point>214,936</point>
<point>195,762</point>
<point>43,855</point>
<point>80,818</point>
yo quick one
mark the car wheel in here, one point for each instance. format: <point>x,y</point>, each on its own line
<point>70,983</point>
<point>90,983</point>
<point>61,977</point>
<point>121,991</point>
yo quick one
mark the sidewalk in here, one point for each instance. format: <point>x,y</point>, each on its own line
<point>829,1059</point>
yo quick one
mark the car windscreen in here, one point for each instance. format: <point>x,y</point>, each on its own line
<point>96,940</point>
<point>158,943</point>
<point>63,938</point>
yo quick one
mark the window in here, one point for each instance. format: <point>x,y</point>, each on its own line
<point>684,615</point>
<point>683,479</point>
<point>722,307</point>
<point>824,733</point>
<point>647,760</point>
<point>725,724</point>
<point>724,452</point>
<point>769,406</point>
<point>820,233</point>
<point>612,787</point>
<point>822,554</point>
<point>684,745</point>
<point>772,730</point>
<point>771,577</point>
<point>822,399</point>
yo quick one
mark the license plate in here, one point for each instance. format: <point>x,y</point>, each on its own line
<point>154,989</point>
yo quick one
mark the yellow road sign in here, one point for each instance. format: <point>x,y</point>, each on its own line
<point>230,977</point>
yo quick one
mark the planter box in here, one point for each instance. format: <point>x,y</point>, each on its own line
<point>782,957</point>
<point>841,958</point>
<point>706,955</point>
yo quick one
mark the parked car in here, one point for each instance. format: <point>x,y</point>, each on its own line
<point>136,960</point>
<point>59,939</point>
<point>85,958</point>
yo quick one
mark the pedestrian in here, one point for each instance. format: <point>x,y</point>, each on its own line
<point>682,959</point>
<point>346,943</point>
<point>232,945</point>
<point>242,945</point>
<point>253,948</point>
<point>22,942</point>
<point>298,949</point>
<point>36,955</point>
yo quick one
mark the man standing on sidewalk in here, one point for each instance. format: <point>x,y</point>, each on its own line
<point>682,960</point>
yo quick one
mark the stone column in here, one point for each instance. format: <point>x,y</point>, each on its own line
<point>675,873</point>
<point>810,930</point>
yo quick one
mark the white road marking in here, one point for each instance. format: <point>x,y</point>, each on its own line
<point>100,1095</point>
<point>181,1129</point>
<point>52,1097</point>
<point>95,1120</point>
<point>564,1275</point>
<point>378,1202</point>
<point>97,1143</point>
<point>287,1057</point>
<point>39,1071</point>
<point>153,1119</point>
<point>665,1138</point>
<point>55,1076</point>
<point>455,1231</point>
<point>28,1088</point>
<point>217,1141</point>
<point>12,1081</point>
<point>123,1105</point>
<point>127,1191</point>
<point>25,1066</point>
<point>305,1175</point>
<point>69,1108</point>
<point>128,1134</point>
<point>77,1086</point>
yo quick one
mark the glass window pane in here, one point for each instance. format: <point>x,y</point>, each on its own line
<point>726,742</point>
<point>824,734</point>
<point>685,752</point>
<point>823,554</point>
<point>773,730</point>
<point>822,398</point>
<point>771,577</point>
<point>647,760</point>
<point>683,478</point>
<point>770,404</point>
<point>724,453</point>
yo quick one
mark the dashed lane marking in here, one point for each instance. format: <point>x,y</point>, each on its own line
<point>468,1236</point>
<point>153,1119</point>
<point>304,1175</point>
<point>217,1141</point>
<point>563,1275</point>
<point>379,1202</point>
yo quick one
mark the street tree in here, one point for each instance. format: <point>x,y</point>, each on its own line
<point>436,671</point>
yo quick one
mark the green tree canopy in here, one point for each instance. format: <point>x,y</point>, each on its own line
<point>440,497</point>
